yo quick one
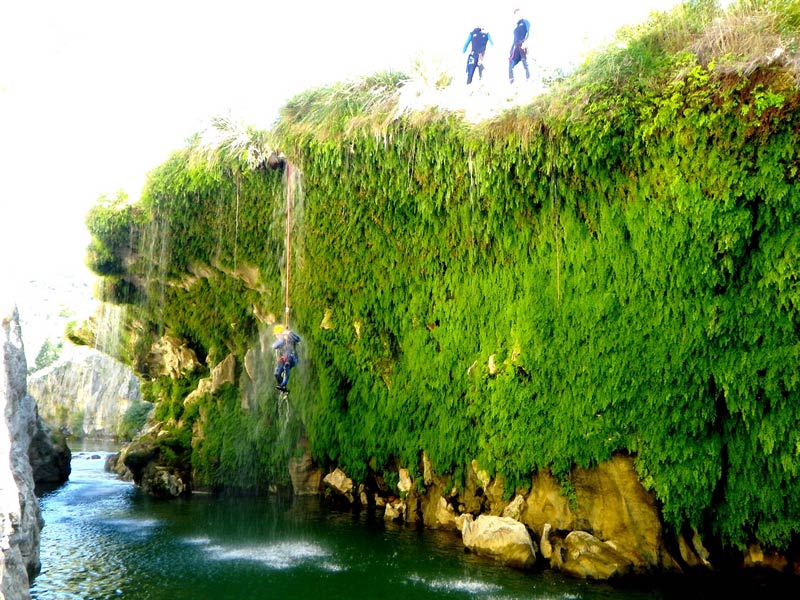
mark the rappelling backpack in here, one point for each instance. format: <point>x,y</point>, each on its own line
<point>521,31</point>
<point>479,39</point>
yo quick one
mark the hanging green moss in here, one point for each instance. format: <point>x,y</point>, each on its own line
<point>611,269</point>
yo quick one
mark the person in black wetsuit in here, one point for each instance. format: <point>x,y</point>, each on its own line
<point>478,38</point>
<point>519,53</point>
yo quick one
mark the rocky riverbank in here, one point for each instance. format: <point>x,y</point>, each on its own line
<point>601,524</point>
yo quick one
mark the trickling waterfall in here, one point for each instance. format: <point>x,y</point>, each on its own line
<point>236,226</point>
<point>292,217</point>
<point>295,204</point>
<point>298,198</point>
<point>259,389</point>
<point>156,247</point>
<point>108,328</point>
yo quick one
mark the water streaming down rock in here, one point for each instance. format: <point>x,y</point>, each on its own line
<point>298,199</point>
<point>260,360</point>
<point>109,321</point>
<point>155,246</point>
<point>295,252</point>
<point>259,364</point>
<point>258,381</point>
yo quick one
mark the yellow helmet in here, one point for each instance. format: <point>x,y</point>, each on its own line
<point>278,329</point>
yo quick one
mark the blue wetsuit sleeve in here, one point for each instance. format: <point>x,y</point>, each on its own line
<point>527,28</point>
<point>466,45</point>
<point>489,38</point>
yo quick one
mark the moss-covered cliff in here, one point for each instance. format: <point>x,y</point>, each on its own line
<point>611,269</point>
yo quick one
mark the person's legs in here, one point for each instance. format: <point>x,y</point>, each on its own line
<point>471,64</point>
<point>513,59</point>
<point>288,363</point>
<point>279,370</point>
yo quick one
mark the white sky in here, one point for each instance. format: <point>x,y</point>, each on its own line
<point>95,93</point>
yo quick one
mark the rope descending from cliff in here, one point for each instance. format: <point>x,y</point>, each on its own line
<point>288,238</point>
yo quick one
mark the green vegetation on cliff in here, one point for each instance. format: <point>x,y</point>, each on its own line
<point>613,268</point>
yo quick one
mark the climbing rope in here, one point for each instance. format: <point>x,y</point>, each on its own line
<point>288,237</point>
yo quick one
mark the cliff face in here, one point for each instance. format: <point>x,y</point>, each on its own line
<point>86,391</point>
<point>20,518</point>
<point>610,271</point>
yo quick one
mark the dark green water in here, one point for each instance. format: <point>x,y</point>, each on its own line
<point>104,539</point>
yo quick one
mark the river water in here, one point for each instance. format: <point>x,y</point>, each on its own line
<point>104,539</point>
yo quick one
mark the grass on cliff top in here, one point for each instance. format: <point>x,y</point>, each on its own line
<point>748,35</point>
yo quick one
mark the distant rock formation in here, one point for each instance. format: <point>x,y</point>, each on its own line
<point>86,392</point>
<point>20,517</point>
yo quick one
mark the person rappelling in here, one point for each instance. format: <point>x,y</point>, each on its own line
<point>286,340</point>
<point>285,346</point>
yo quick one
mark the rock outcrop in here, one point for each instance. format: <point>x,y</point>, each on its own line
<point>339,484</point>
<point>170,356</point>
<point>587,557</point>
<point>610,527</point>
<point>49,455</point>
<point>85,391</point>
<point>20,517</point>
<point>305,475</point>
<point>611,505</point>
<point>157,463</point>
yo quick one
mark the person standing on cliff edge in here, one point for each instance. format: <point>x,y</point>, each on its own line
<point>478,37</point>
<point>519,52</point>
<point>285,345</point>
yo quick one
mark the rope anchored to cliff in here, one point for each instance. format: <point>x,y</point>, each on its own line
<point>285,339</point>
<point>288,240</point>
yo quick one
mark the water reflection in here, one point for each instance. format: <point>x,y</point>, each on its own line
<point>104,539</point>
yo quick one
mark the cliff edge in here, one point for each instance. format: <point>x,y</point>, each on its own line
<point>20,518</point>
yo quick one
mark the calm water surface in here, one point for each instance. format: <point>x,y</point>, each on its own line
<point>104,539</point>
